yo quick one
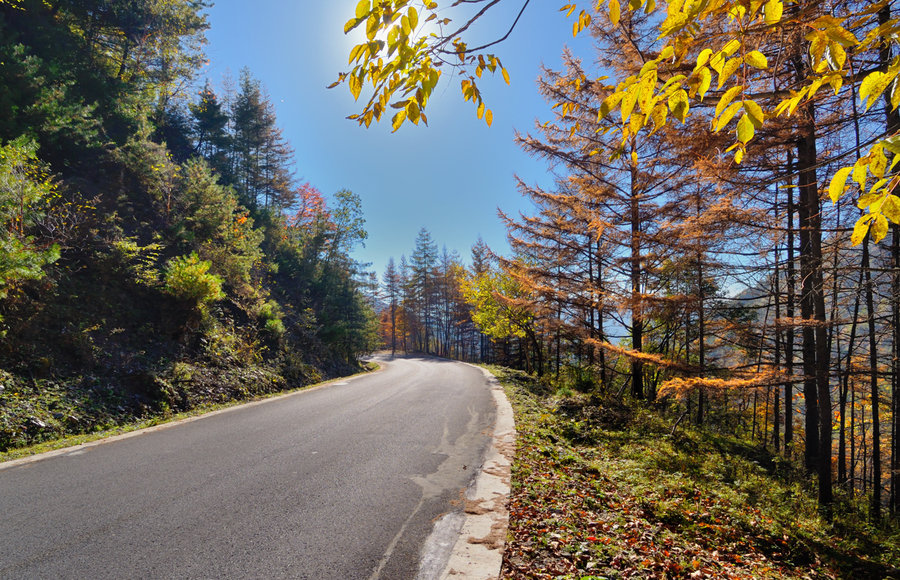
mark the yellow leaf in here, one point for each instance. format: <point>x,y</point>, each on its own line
<point>488,117</point>
<point>860,229</point>
<point>731,47</point>
<point>480,110</point>
<point>841,35</point>
<point>398,119</point>
<point>876,188</point>
<point>373,25</point>
<point>703,57</point>
<point>659,114</point>
<point>608,104</point>
<point>355,86</point>
<point>879,228</point>
<point>739,156</point>
<point>895,94</point>
<point>413,112</point>
<point>716,62</point>
<point>891,208</point>
<point>755,112</point>
<point>614,11</point>
<point>705,82</point>
<point>729,96</point>
<point>756,59</point>
<point>745,129</point>
<point>860,169</point>
<point>362,9</point>
<point>872,87</point>
<point>867,200</point>
<point>356,53</point>
<point>679,104</point>
<point>727,115</point>
<point>636,122</point>
<point>505,75</point>
<point>629,101</point>
<point>729,69</point>
<point>878,161</point>
<point>774,9</point>
<point>838,183</point>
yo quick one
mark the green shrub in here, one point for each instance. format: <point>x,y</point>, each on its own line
<point>268,310</point>
<point>275,327</point>
<point>188,278</point>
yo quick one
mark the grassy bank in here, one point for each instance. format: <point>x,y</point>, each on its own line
<point>47,415</point>
<point>601,490</point>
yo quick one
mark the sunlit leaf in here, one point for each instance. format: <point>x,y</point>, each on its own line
<point>756,59</point>
<point>614,11</point>
<point>891,208</point>
<point>745,129</point>
<point>838,183</point>
<point>362,9</point>
<point>773,12</point>
<point>879,228</point>
<point>860,229</point>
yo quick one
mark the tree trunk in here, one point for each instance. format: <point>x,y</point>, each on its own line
<point>789,307</point>
<point>873,384</point>
<point>816,363</point>
<point>637,322</point>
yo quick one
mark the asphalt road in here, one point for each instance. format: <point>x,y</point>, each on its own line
<point>340,482</point>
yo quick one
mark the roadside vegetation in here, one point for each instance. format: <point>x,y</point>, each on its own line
<point>603,489</point>
<point>98,421</point>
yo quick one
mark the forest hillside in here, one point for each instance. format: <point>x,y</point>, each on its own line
<point>157,251</point>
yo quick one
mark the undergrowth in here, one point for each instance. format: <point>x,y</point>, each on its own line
<point>603,490</point>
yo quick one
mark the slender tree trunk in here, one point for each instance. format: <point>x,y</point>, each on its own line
<point>873,384</point>
<point>637,317</point>
<point>807,307</point>
<point>893,125</point>
<point>776,406</point>
<point>701,327</point>
<point>895,367</point>
<point>790,311</point>
<point>852,439</point>
<point>842,445</point>
<point>598,306</point>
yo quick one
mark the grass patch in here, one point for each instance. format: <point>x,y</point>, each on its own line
<point>600,490</point>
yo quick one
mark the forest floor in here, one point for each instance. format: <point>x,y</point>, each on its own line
<point>601,490</point>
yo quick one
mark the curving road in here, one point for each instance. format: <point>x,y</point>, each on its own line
<point>344,482</point>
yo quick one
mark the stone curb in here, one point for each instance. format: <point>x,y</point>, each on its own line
<point>478,551</point>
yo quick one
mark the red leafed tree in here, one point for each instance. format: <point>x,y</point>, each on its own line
<point>311,207</point>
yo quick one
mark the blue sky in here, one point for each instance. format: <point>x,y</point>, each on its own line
<point>449,177</point>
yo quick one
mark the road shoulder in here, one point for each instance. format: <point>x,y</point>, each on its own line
<point>477,552</point>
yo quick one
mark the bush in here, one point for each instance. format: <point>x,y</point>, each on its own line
<point>188,279</point>
<point>275,327</point>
